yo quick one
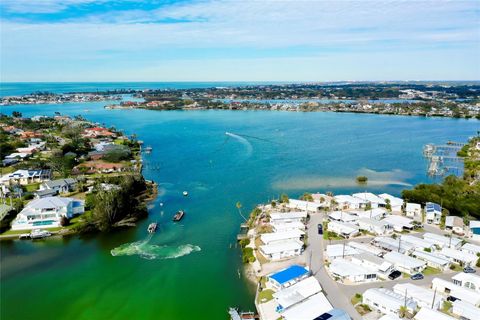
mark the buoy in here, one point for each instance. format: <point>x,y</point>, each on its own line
<point>185,193</point>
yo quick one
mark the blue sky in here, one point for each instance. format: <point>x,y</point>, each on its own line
<point>239,40</point>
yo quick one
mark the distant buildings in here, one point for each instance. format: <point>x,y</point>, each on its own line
<point>24,177</point>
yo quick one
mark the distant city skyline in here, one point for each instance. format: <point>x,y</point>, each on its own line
<point>306,41</point>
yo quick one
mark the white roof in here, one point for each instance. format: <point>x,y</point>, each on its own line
<point>399,221</point>
<point>301,204</point>
<point>399,259</point>
<point>339,250</point>
<point>457,291</point>
<point>288,225</point>
<point>465,310</point>
<point>470,247</point>
<point>346,268</point>
<point>467,277</point>
<point>372,213</point>
<point>474,224</point>
<point>369,197</point>
<point>348,199</point>
<point>278,247</point>
<point>393,244</point>
<point>297,292</point>
<point>442,240</point>
<point>343,226</point>
<point>417,293</point>
<point>416,241</point>
<point>389,317</point>
<point>394,201</point>
<point>459,255</point>
<point>365,247</point>
<point>388,298</point>
<point>431,257</point>
<point>50,202</point>
<point>311,308</point>
<point>429,314</point>
<point>278,236</point>
<point>288,215</point>
<point>342,216</point>
<point>373,222</point>
<point>382,265</point>
<point>413,206</point>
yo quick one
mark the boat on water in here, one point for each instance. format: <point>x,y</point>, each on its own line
<point>152,227</point>
<point>239,315</point>
<point>185,193</point>
<point>35,234</point>
<point>148,149</point>
<point>178,216</point>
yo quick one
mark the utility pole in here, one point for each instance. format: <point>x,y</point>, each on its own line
<point>399,242</point>
<point>434,295</point>
<point>343,253</point>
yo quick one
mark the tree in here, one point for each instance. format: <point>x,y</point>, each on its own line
<point>362,179</point>
<point>284,198</point>
<point>306,197</point>
<point>16,114</point>
<point>388,205</point>
<point>239,208</point>
<point>403,311</point>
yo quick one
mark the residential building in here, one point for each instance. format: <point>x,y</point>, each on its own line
<point>387,301</point>
<point>433,259</point>
<point>405,263</point>
<point>413,210</point>
<point>474,227</point>
<point>296,293</point>
<point>423,296</point>
<point>24,177</point>
<point>334,314</point>
<point>303,205</point>
<point>288,217</point>
<point>282,249</point>
<point>322,200</point>
<point>288,276</point>
<point>374,226</point>
<point>47,213</point>
<point>417,242</point>
<point>471,248</point>
<point>395,203</point>
<point>382,267</point>
<point>465,310</point>
<point>345,202</point>
<point>433,212</point>
<point>456,291</point>
<point>374,200</point>
<point>429,314</point>
<point>461,257</point>
<point>45,193</point>
<point>399,223</point>
<point>282,227</point>
<point>334,251</point>
<point>311,308</point>
<point>276,237</point>
<point>443,241</point>
<point>346,230</point>
<point>455,224</point>
<point>375,213</point>
<point>366,247</point>
<point>391,244</point>
<point>467,280</point>
<point>60,185</point>
<point>342,216</point>
<point>348,271</point>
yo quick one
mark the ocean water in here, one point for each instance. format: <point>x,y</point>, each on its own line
<point>190,270</point>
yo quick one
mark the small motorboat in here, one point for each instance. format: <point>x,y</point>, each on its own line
<point>185,193</point>
<point>39,234</point>
<point>152,227</point>
<point>148,149</point>
<point>178,216</point>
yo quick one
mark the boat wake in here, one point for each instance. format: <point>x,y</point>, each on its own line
<point>243,141</point>
<point>152,251</point>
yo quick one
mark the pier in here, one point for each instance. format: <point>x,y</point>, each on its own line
<point>443,159</point>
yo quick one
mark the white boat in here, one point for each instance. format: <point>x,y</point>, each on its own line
<point>185,193</point>
<point>39,234</point>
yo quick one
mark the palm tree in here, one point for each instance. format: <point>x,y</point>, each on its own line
<point>239,208</point>
<point>403,311</point>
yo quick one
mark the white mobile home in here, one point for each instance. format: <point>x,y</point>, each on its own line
<point>282,250</point>
<point>348,202</point>
<point>413,210</point>
<point>456,291</point>
<point>311,308</point>
<point>433,259</point>
<point>391,244</point>
<point>287,217</point>
<point>395,203</point>
<point>471,248</point>
<point>382,267</point>
<point>366,247</point>
<point>465,310</point>
<point>405,263</point>
<point>417,242</point>
<point>374,226</point>
<point>429,314</point>
<point>342,216</point>
<point>467,280</point>
<point>423,296</point>
<point>460,257</point>
<point>442,241</point>
<point>334,251</point>
<point>455,224</point>
<point>303,205</point>
<point>399,223</point>
<point>296,293</point>
<point>274,237</point>
<point>374,200</point>
<point>376,213</point>
<point>282,227</point>
<point>387,301</point>
<point>346,230</point>
<point>348,271</point>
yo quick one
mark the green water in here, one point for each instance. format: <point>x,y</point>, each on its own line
<point>189,270</point>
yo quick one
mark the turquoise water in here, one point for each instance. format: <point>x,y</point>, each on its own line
<point>188,270</point>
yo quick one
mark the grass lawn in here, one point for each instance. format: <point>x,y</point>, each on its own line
<point>18,232</point>
<point>430,271</point>
<point>32,187</point>
<point>5,170</point>
<point>265,296</point>
<point>405,275</point>
<point>363,309</point>
<point>356,299</point>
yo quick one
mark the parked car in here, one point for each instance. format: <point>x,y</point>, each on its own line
<point>469,270</point>
<point>451,299</point>
<point>320,228</point>
<point>394,275</point>
<point>417,276</point>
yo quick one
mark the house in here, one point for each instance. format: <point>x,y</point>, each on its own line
<point>342,216</point>
<point>97,132</point>
<point>282,249</point>
<point>399,223</point>
<point>418,243</point>
<point>433,259</point>
<point>474,227</point>
<point>455,224</point>
<point>366,247</point>
<point>405,263</point>
<point>465,310</point>
<point>45,193</point>
<point>334,251</point>
<point>60,185</point>
<point>433,212</point>
<point>47,212</point>
<point>282,227</point>
<point>374,226</point>
<point>311,308</point>
<point>456,291</point>
<point>348,271</point>
<point>275,237</point>
<point>288,217</point>
<point>303,205</point>
<point>335,314</point>
<point>91,167</point>
<point>374,200</point>
<point>429,314</point>
<point>296,293</point>
<point>442,241</point>
<point>376,213</point>
<point>322,200</point>
<point>471,248</point>
<point>288,276</point>
<point>96,155</point>
<point>348,202</point>
<point>346,230</point>
<point>382,268</point>
<point>391,244</point>
<point>467,280</point>
<point>389,317</point>
<point>395,203</point>
<point>386,301</point>
<point>423,296</point>
<point>24,177</point>
<point>461,257</point>
<point>413,210</point>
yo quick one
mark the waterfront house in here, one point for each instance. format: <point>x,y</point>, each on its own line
<point>467,280</point>
<point>339,250</point>
<point>395,203</point>
<point>288,217</point>
<point>342,216</point>
<point>322,200</point>
<point>296,293</point>
<point>367,197</point>
<point>413,210</point>
<point>474,227</point>
<point>442,241</point>
<point>346,230</point>
<point>282,249</point>
<point>471,248</point>
<point>461,257</point>
<point>275,237</point>
<point>91,167</point>
<point>399,223</point>
<point>465,310</point>
<point>455,224</point>
<point>405,263</point>
<point>422,296</point>
<point>456,291</point>
<point>47,212</point>
<point>433,212</point>
<point>59,185</point>
<point>311,308</point>
<point>345,202</point>
<point>288,226</point>
<point>429,314</point>
<point>376,213</point>
<point>433,259</point>
<point>348,271</point>
<point>374,226</point>
<point>97,132</point>
<point>24,177</point>
<point>382,267</point>
<point>303,205</point>
<point>386,301</point>
<point>288,276</point>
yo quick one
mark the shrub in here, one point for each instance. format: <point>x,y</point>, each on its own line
<point>362,179</point>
